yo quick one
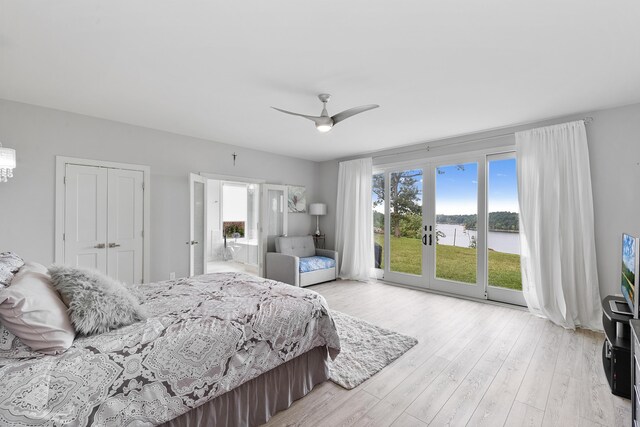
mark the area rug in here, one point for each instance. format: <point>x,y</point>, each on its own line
<point>365,350</point>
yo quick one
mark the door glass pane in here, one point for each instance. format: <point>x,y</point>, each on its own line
<point>456,218</point>
<point>252,225</point>
<point>198,228</point>
<point>405,210</point>
<point>275,217</point>
<point>503,238</point>
<point>378,219</point>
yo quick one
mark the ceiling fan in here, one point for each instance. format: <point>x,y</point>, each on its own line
<point>324,123</point>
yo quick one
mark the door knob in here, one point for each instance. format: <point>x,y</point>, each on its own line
<point>114,245</point>
<point>100,246</point>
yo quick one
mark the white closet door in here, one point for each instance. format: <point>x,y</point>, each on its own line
<point>86,217</point>
<point>125,225</point>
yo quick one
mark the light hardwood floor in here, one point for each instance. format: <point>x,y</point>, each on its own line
<point>475,364</point>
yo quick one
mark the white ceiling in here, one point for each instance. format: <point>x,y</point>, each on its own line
<point>212,69</point>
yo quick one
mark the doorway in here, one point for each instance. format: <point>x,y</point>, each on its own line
<point>224,225</point>
<point>232,226</point>
<point>450,224</point>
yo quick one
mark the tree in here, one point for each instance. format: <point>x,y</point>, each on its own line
<point>403,197</point>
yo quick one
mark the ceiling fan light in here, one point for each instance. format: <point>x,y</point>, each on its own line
<point>324,127</point>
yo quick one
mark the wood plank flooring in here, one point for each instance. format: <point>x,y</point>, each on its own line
<point>475,364</point>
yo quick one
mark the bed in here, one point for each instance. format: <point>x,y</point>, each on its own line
<point>217,349</point>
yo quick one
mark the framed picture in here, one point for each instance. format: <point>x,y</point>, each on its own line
<point>297,199</point>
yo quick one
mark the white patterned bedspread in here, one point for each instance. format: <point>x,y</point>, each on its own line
<point>205,336</point>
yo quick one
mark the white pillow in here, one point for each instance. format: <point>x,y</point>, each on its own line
<point>33,267</point>
<point>32,310</point>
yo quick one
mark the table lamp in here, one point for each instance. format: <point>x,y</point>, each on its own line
<point>317,209</point>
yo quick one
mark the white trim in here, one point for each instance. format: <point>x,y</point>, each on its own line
<point>61,163</point>
<point>451,295</point>
<point>421,160</point>
<point>232,178</point>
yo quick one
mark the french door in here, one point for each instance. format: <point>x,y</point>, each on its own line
<point>197,224</point>
<point>431,225</point>
<point>275,219</point>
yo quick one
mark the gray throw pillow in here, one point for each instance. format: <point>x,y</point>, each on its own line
<point>10,263</point>
<point>97,303</point>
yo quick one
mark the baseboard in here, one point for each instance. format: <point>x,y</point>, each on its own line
<point>447,294</point>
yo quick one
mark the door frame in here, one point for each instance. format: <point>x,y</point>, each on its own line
<point>428,165</point>
<point>496,293</point>
<point>260,183</point>
<point>61,164</point>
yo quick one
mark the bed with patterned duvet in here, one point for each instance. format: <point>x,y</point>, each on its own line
<point>217,349</point>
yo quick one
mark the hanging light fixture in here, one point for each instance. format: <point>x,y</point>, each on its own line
<point>7,163</point>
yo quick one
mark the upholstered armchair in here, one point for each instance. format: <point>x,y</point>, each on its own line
<point>298,262</point>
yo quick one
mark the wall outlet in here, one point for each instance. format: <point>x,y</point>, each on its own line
<point>172,275</point>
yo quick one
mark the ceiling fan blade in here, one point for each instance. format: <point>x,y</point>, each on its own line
<point>312,118</point>
<point>352,112</point>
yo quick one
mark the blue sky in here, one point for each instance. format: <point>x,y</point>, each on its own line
<point>457,188</point>
<point>503,186</point>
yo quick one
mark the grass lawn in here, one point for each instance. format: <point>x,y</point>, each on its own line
<point>454,263</point>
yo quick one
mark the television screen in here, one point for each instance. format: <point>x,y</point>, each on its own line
<point>629,272</point>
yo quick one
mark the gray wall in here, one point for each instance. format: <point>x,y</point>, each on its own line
<point>614,150</point>
<point>39,134</point>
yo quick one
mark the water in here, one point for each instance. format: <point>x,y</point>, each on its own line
<point>498,240</point>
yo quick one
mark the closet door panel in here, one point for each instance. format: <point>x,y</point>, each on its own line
<point>86,217</point>
<point>125,225</point>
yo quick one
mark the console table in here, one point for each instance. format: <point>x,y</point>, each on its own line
<point>616,349</point>
<point>318,240</point>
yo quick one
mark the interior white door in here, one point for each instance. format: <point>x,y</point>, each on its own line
<point>125,225</point>
<point>275,215</point>
<point>85,225</point>
<point>197,224</point>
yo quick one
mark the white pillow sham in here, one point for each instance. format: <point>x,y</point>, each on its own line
<point>32,310</point>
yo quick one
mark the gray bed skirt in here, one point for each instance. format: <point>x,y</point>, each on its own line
<point>256,401</point>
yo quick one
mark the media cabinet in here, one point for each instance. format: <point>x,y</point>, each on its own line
<point>616,349</point>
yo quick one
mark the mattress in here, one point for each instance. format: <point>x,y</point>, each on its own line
<point>206,336</point>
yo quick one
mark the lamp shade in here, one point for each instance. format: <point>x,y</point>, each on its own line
<point>317,209</point>
<point>7,163</point>
<point>7,157</point>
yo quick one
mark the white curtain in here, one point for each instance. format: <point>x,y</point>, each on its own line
<point>558,254</point>
<point>354,223</point>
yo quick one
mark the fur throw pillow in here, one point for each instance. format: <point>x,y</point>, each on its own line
<point>97,303</point>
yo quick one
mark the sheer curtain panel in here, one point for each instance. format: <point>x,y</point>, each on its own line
<point>558,253</point>
<point>354,223</point>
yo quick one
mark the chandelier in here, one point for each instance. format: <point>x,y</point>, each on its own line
<point>7,163</point>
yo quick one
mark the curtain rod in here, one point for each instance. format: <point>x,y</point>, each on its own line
<point>586,121</point>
